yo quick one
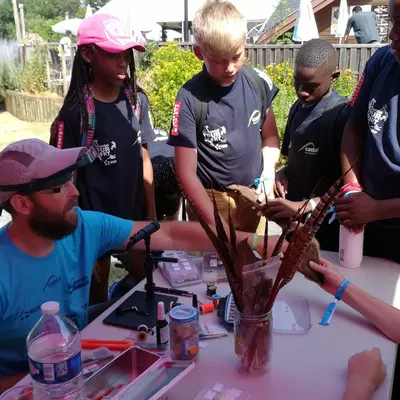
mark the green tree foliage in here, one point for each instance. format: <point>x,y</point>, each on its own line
<point>40,16</point>
<point>97,4</point>
<point>170,67</point>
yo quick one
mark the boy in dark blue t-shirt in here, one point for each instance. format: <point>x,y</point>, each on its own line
<point>238,141</point>
<point>372,138</point>
<point>312,138</point>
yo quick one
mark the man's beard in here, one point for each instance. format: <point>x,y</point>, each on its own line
<point>54,226</point>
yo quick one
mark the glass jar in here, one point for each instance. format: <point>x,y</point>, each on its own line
<point>253,342</point>
<point>184,332</point>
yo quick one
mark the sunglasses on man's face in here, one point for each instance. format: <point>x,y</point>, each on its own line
<point>57,189</point>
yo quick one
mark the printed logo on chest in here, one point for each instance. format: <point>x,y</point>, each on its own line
<point>376,118</point>
<point>52,282</point>
<point>107,153</point>
<point>76,284</point>
<point>310,149</point>
<point>254,118</point>
<point>216,138</point>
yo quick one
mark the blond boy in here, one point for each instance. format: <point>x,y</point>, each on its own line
<point>223,126</point>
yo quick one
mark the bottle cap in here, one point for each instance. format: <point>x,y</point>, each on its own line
<point>50,308</point>
<point>183,314</point>
<point>161,311</point>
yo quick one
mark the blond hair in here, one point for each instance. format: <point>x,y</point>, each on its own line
<point>219,28</point>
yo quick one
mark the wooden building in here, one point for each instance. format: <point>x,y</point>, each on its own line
<point>326,13</point>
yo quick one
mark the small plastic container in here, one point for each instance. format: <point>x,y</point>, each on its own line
<point>182,273</point>
<point>184,333</point>
<point>213,268</point>
<point>291,315</point>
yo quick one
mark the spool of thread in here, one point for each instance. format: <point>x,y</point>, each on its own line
<point>142,332</point>
<point>215,299</point>
<point>211,289</point>
<point>206,308</point>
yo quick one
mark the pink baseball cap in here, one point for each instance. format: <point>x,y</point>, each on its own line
<point>31,159</point>
<point>107,32</point>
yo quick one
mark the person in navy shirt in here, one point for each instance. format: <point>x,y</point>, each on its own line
<point>312,139</point>
<point>234,145</point>
<point>371,145</point>
<point>104,105</point>
<point>48,250</point>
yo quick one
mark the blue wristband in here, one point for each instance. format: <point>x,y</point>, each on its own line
<point>341,288</point>
<point>257,181</point>
<point>330,310</point>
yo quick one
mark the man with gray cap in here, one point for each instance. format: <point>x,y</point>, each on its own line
<point>49,248</point>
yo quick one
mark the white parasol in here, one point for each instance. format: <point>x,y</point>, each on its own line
<point>342,20</point>
<point>67,25</point>
<point>89,11</point>
<point>306,27</point>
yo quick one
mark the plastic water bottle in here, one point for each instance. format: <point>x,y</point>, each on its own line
<point>54,351</point>
<point>350,248</point>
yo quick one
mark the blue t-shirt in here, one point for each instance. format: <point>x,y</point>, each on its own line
<point>64,276</point>
<point>229,146</point>
<point>375,105</point>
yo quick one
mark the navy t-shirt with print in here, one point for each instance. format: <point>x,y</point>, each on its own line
<point>113,184</point>
<point>229,147</point>
<point>375,105</point>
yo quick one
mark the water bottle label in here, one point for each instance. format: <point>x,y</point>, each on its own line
<point>52,373</point>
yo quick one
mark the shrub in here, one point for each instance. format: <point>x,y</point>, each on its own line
<point>10,69</point>
<point>170,67</point>
<point>34,74</point>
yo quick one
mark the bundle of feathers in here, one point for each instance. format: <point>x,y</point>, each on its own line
<point>302,249</point>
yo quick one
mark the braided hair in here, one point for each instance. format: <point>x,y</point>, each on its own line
<point>77,94</point>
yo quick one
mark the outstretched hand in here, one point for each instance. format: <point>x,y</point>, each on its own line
<point>332,277</point>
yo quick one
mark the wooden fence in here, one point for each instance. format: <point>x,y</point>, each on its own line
<point>353,57</point>
<point>58,67</point>
<point>33,108</point>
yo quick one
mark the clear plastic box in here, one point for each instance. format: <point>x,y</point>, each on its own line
<point>182,273</point>
<point>291,315</point>
<point>213,269</point>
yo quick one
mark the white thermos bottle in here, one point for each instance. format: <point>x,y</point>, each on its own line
<point>350,248</point>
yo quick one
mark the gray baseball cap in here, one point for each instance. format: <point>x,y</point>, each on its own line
<point>29,160</point>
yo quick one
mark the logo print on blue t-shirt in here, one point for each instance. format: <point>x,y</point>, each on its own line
<point>376,118</point>
<point>52,282</point>
<point>76,284</point>
<point>25,314</point>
